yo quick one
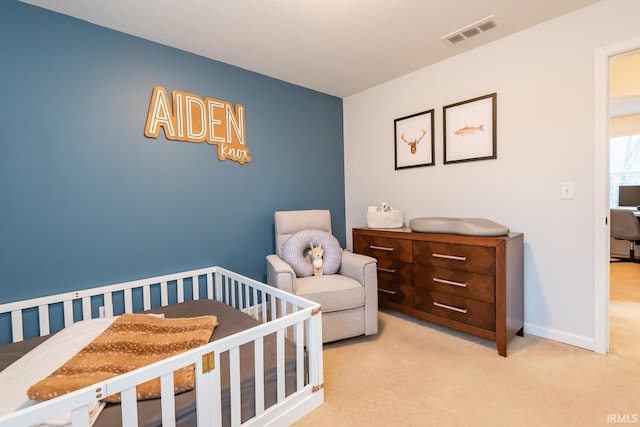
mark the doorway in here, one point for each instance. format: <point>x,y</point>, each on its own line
<point>624,176</point>
<point>603,59</point>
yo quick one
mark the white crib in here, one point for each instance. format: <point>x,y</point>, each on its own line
<point>292,319</point>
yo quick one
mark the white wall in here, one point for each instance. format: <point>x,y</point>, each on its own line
<point>544,78</point>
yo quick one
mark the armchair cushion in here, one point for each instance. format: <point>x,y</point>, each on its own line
<point>294,252</point>
<point>333,293</point>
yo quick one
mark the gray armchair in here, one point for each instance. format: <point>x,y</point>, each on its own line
<point>625,226</point>
<point>349,298</point>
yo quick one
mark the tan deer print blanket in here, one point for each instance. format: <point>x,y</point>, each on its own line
<point>131,342</point>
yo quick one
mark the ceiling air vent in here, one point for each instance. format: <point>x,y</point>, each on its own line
<point>470,30</point>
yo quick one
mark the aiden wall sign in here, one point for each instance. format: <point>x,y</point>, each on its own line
<point>191,118</point>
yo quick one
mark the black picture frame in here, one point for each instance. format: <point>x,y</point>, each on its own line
<point>414,145</point>
<point>469,130</point>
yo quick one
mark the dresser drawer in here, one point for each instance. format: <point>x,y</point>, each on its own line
<point>383,248</point>
<point>469,311</point>
<point>395,283</point>
<point>455,282</point>
<point>476,259</point>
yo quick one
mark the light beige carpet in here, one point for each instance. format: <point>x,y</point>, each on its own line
<point>414,373</point>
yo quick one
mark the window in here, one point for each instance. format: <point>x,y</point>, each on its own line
<point>624,164</point>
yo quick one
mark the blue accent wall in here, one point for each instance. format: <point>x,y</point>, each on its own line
<point>87,200</point>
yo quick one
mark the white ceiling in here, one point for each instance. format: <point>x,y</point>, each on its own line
<point>339,47</point>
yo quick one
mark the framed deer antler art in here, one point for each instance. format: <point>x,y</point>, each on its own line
<point>470,130</point>
<point>414,140</point>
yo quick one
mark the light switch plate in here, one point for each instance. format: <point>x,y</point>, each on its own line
<point>567,190</point>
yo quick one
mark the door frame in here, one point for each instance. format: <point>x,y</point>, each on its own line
<point>601,190</point>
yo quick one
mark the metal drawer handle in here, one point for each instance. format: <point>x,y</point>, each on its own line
<point>455,257</point>
<point>449,282</point>
<point>386,270</point>
<point>449,307</point>
<point>381,248</point>
<point>386,291</point>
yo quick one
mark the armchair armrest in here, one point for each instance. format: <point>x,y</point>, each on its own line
<point>358,267</point>
<point>364,269</point>
<point>280,274</point>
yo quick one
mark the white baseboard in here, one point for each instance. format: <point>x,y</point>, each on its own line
<point>560,336</point>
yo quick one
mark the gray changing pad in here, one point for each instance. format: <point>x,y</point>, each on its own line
<point>464,226</point>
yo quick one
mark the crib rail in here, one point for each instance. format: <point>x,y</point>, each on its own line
<point>286,315</point>
<point>129,297</point>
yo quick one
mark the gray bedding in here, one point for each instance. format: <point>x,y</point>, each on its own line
<point>231,321</point>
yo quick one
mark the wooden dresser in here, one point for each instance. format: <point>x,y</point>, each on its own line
<point>468,283</point>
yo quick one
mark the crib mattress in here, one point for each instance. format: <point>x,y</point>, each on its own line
<point>231,321</point>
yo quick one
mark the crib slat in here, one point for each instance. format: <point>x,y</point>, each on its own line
<point>259,375</point>
<point>80,417</point>
<point>86,308</point>
<point>246,301</point>
<point>210,294</point>
<point>218,278</point>
<point>146,297</point>
<point>233,293</point>
<point>224,294</point>
<point>68,313</point>
<point>239,290</point>
<point>195,283</point>
<point>164,294</point>
<point>273,308</point>
<point>128,301</point>
<point>203,396</point>
<point>216,393</point>
<point>108,304</point>
<point>167,400</point>
<point>129,407</point>
<point>43,318</point>
<point>231,296</point>
<point>299,334</point>
<point>180,290</point>
<point>283,313</point>
<point>314,346</point>
<point>242,296</point>
<point>234,385</point>
<point>265,308</point>
<point>280,364</point>
<point>16,325</point>
<point>255,303</point>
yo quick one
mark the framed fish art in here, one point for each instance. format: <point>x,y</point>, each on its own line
<point>470,129</point>
<point>414,140</point>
